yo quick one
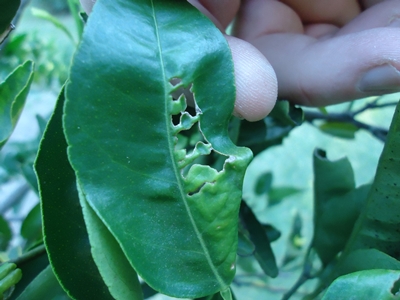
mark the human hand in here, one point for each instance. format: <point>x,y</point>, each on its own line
<point>323,52</point>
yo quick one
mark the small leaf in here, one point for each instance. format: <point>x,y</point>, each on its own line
<point>263,183</point>
<point>42,14</point>
<point>13,92</point>
<point>31,228</point>
<point>115,269</point>
<point>44,286</point>
<point>277,194</point>
<point>263,251</point>
<point>245,245</point>
<point>30,268</point>
<point>9,276</point>
<point>287,113</point>
<point>5,234</point>
<point>339,129</point>
<point>371,284</point>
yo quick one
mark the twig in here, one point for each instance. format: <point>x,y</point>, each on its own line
<point>347,117</point>
<point>30,255</point>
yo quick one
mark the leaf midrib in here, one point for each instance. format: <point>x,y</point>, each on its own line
<point>171,152</point>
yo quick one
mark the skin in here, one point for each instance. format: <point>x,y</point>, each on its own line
<point>311,52</point>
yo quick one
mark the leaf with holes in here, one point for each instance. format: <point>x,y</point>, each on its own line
<point>174,218</point>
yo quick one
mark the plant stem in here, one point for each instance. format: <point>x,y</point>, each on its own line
<point>30,255</point>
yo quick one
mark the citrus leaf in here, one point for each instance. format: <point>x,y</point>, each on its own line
<point>65,233</point>
<point>116,271</point>
<point>375,240</point>
<point>337,205</point>
<point>42,14</point>
<point>44,286</point>
<point>372,284</point>
<point>31,228</point>
<point>263,251</point>
<point>5,234</point>
<point>339,129</point>
<point>176,225</point>
<point>9,276</point>
<point>13,92</point>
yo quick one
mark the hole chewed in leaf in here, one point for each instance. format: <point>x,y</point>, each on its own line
<point>192,153</point>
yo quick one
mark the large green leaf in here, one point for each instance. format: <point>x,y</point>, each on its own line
<point>8,10</point>
<point>177,227</point>
<point>372,284</point>
<point>65,233</point>
<point>13,92</point>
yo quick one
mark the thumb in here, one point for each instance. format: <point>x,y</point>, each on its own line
<point>256,83</point>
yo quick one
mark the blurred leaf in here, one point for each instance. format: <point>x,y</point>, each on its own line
<point>42,14</point>
<point>287,113</point>
<point>116,270</point>
<point>371,284</point>
<point>147,291</point>
<point>337,204</point>
<point>31,228</point>
<point>30,269</point>
<point>245,245</point>
<point>8,10</point>
<point>9,276</point>
<point>271,130</point>
<point>13,92</point>
<point>66,237</point>
<point>339,129</point>
<point>323,110</point>
<point>134,176</point>
<point>216,296</point>
<point>272,233</point>
<point>263,183</point>
<point>74,7</point>
<point>375,239</point>
<point>5,234</point>
<point>277,194</point>
<point>44,287</point>
<point>263,251</point>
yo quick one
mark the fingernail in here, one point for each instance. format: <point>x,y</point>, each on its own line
<point>394,22</point>
<point>382,79</point>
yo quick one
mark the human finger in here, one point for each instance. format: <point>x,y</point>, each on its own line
<point>343,68</point>
<point>256,83</point>
<point>383,14</point>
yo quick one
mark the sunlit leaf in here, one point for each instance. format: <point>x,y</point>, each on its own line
<point>9,276</point>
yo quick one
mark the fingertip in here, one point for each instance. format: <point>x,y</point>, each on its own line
<point>256,83</point>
